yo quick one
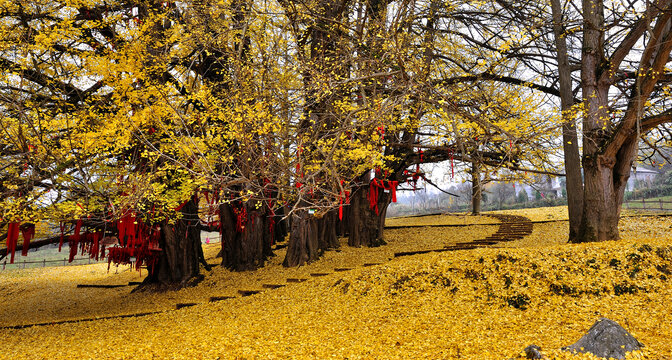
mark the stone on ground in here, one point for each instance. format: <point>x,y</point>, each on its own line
<point>606,339</point>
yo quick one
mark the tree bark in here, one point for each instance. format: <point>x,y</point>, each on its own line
<point>602,203</point>
<point>605,176</point>
<point>605,183</point>
<point>309,237</point>
<point>178,263</point>
<point>247,248</point>
<point>570,142</point>
<point>303,244</point>
<point>343,228</point>
<point>366,226</point>
<point>476,189</point>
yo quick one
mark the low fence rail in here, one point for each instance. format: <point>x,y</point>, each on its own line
<point>650,204</point>
<point>18,264</point>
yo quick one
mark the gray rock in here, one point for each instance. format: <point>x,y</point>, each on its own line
<point>533,352</point>
<point>606,339</point>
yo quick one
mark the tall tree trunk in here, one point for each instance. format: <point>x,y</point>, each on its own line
<point>603,189</point>
<point>181,243</point>
<point>303,244</point>
<point>610,149</point>
<point>570,142</point>
<point>476,189</point>
<point>245,248</point>
<point>366,226</point>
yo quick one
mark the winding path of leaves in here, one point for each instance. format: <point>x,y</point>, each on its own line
<point>512,227</point>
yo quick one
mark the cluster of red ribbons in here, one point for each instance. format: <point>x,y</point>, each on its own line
<point>88,243</point>
<point>417,174</point>
<point>138,243</point>
<point>374,188</point>
<point>73,240</point>
<point>414,177</point>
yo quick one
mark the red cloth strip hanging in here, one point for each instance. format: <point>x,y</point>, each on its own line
<point>452,164</point>
<point>386,185</point>
<point>340,209</point>
<point>373,195</point>
<point>340,202</point>
<point>28,233</point>
<point>392,186</point>
<point>93,253</point>
<point>271,226</point>
<point>241,218</point>
<point>12,237</point>
<point>121,231</point>
<point>74,241</point>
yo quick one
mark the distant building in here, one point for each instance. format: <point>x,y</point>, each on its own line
<point>547,185</point>
<point>641,177</point>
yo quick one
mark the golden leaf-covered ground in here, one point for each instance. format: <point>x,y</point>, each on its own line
<point>444,219</point>
<point>472,304</point>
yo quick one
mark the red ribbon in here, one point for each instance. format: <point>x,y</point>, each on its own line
<point>373,195</point>
<point>12,237</point>
<point>340,209</point>
<point>74,241</point>
<point>28,234</point>
<point>94,252</point>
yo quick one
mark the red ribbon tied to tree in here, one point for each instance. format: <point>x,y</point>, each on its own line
<point>12,237</point>
<point>28,233</point>
<point>374,187</point>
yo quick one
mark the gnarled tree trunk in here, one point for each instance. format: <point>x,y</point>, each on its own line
<point>249,247</point>
<point>181,243</point>
<point>309,237</point>
<point>366,226</point>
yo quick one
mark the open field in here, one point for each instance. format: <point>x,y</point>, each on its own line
<point>486,303</point>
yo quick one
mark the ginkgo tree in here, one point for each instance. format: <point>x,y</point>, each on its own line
<point>121,118</point>
<point>606,63</point>
<point>152,104</point>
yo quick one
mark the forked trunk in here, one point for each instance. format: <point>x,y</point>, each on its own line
<point>366,224</point>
